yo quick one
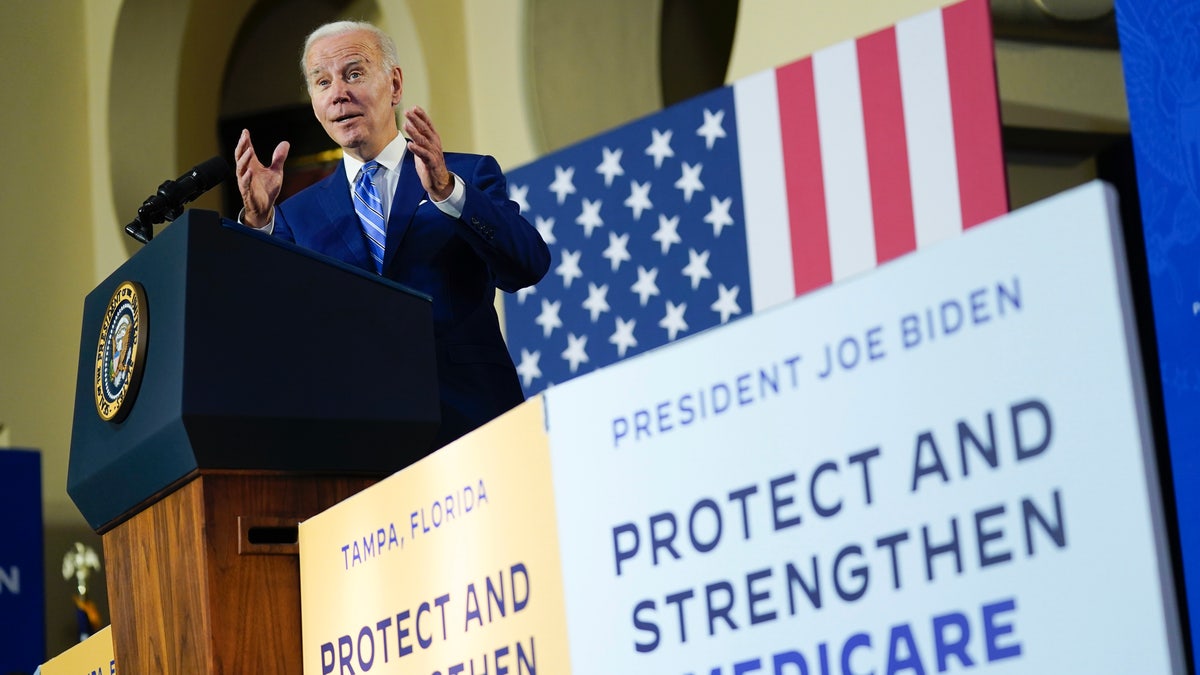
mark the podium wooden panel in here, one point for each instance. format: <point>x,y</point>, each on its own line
<point>190,593</point>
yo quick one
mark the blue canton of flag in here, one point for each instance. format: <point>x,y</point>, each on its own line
<point>647,235</point>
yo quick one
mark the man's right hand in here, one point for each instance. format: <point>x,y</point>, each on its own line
<point>258,184</point>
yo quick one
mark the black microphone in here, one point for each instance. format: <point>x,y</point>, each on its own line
<point>167,203</point>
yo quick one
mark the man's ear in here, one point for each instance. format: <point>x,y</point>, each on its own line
<point>397,85</point>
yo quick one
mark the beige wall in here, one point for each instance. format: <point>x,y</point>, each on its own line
<point>498,82</point>
<point>106,98</point>
<point>47,259</point>
<point>774,32</point>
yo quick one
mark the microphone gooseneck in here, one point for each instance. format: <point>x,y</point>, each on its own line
<point>167,203</point>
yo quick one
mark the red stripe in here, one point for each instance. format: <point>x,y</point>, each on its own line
<point>805,183</point>
<point>887,147</point>
<point>975,106</point>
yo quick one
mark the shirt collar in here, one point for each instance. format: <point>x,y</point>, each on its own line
<point>390,158</point>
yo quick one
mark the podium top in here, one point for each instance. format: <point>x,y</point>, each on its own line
<point>250,357</point>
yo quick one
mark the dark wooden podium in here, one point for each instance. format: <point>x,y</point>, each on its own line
<point>274,383</point>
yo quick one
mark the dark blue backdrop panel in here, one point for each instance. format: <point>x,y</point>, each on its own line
<point>1159,52</point>
<point>22,579</point>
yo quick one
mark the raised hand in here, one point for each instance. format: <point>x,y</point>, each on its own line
<point>426,147</point>
<point>259,185</point>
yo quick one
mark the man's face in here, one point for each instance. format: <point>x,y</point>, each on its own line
<point>353,96</point>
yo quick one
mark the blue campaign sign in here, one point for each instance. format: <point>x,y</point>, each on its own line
<point>22,580</point>
<point>1162,81</point>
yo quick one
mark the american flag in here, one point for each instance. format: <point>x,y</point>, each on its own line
<point>750,195</point>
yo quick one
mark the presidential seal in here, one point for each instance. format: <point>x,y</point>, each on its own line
<point>121,352</point>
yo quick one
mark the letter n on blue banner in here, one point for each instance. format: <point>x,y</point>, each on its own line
<point>22,578</point>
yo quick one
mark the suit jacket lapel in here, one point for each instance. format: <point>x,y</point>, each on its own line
<point>409,193</point>
<point>338,206</point>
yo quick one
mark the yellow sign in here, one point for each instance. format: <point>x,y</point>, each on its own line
<point>93,656</point>
<point>450,566</point>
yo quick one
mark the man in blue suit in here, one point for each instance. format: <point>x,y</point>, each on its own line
<point>450,230</point>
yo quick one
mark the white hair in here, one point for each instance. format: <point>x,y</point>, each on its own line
<point>387,47</point>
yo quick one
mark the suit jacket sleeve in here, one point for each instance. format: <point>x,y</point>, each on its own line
<point>494,228</point>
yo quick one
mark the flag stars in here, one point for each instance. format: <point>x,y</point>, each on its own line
<point>589,217</point>
<point>673,320</point>
<point>597,300</point>
<point>647,284</point>
<point>660,146</point>
<point>618,249</point>
<point>718,214</point>
<point>528,369</point>
<point>611,166</point>
<point>697,267</point>
<point>689,181</point>
<point>564,183</point>
<point>711,130</point>
<point>667,232</point>
<point>523,293</point>
<point>548,319</point>
<point>519,194</point>
<point>623,337</point>
<point>568,269</point>
<point>639,198</point>
<point>545,227</point>
<point>726,304</point>
<point>576,351</point>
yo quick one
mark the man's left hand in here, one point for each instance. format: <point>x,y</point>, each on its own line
<point>426,147</point>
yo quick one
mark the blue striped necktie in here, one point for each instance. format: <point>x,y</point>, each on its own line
<point>369,208</point>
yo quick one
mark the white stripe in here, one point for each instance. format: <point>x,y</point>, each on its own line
<point>844,160</point>
<point>929,128</point>
<point>367,205</point>
<point>764,191</point>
